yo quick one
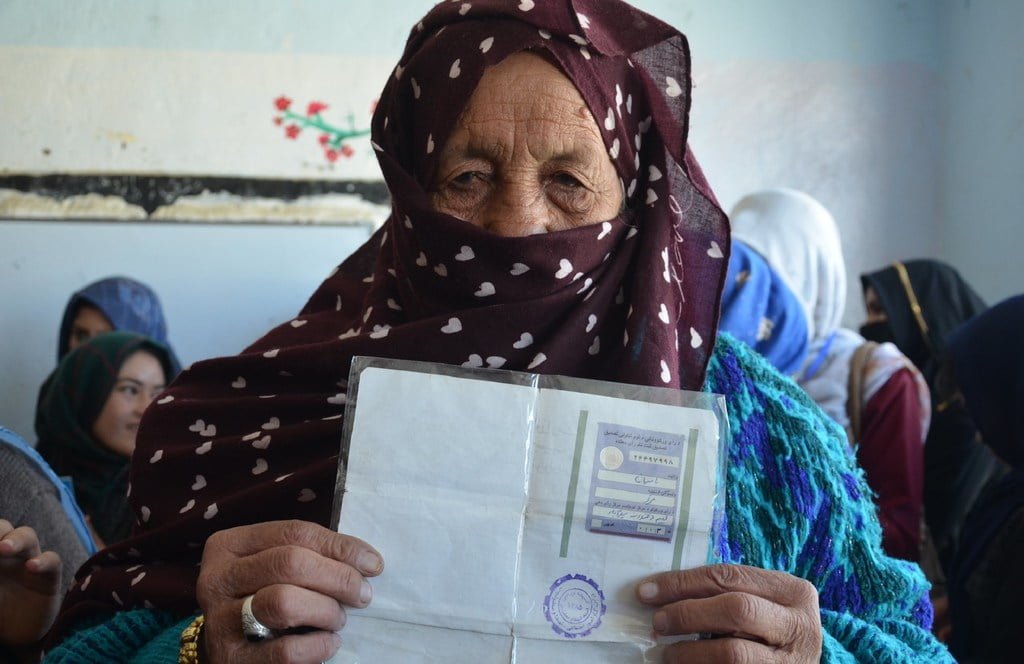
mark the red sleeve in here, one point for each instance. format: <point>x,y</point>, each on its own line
<point>892,456</point>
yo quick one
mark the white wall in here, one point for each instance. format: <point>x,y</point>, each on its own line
<point>983,233</point>
<point>221,286</point>
<point>904,117</point>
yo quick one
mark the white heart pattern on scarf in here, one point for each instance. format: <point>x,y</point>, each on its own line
<point>204,429</point>
<point>695,339</point>
<point>525,341</point>
<point>673,89</point>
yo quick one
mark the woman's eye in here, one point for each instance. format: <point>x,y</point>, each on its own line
<point>466,179</point>
<point>129,390</point>
<point>567,180</point>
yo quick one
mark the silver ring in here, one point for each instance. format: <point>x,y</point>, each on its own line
<point>253,629</point>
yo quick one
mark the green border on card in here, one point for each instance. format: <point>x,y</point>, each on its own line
<point>574,479</point>
<point>684,500</point>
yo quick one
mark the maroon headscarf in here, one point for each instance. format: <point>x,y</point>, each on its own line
<point>635,299</point>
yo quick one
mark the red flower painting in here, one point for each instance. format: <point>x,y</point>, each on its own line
<point>334,141</point>
<point>316,107</point>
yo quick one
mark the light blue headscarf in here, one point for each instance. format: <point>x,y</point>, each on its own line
<point>67,498</point>
<point>129,305</point>
<point>759,309</point>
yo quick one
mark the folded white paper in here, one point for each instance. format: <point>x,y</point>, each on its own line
<point>516,512</point>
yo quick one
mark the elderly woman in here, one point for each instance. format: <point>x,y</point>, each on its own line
<point>551,219</point>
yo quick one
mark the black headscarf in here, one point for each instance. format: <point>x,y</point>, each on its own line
<point>945,299</point>
<point>76,394</point>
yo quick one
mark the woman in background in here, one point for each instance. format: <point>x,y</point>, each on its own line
<point>759,309</point>
<point>873,391</point>
<point>113,303</point>
<point>89,417</point>
<point>108,305</point>
<point>916,305</point>
<point>986,578</point>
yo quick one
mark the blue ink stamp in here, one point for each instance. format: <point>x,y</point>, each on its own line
<point>574,606</point>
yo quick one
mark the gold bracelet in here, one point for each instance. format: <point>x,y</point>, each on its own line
<point>190,638</point>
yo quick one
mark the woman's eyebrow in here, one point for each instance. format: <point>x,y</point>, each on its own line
<point>481,150</point>
<point>127,379</point>
<point>575,155</point>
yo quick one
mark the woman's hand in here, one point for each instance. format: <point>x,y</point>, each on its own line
<point>29,586</point>
<point>754,615</point>
<point>300,574</point>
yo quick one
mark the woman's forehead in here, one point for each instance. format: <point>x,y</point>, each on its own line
<point>525,97</point>
<point>531,86</point>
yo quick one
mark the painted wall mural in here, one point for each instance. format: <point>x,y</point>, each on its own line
<point>335,141</point>
<point>293,116</point>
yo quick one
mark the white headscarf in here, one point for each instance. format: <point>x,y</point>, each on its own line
<point>800,240</point>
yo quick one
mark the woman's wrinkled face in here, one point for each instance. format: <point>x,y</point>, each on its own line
<point>88,323</point>
<point>140,379</point>
<point>526,155</point>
